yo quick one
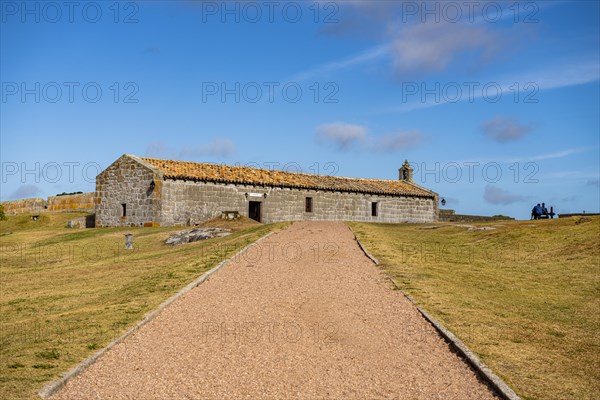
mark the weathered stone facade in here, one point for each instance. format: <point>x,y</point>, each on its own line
<point>133,192</point>
<point>185,202</point>
<point>132,183</point>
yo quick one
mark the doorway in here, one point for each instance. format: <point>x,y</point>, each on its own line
<point>254,210</point>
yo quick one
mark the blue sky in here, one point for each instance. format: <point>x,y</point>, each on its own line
<point>496,104</point>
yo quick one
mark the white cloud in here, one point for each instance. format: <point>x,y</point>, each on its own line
<point>502,129</point>
<point>345,136</point>
<point>420,47</point>
<point>398,141</point>
<point>434,46</point>
<point>496,195</point>
<point>342,135</point>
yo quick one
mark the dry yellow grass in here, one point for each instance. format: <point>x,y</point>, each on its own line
<point>525,297</point>
<point>66,293</point>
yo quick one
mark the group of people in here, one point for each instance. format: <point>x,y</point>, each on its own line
<point>538,211</point>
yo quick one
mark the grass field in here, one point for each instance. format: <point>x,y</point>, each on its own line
<point>524,297</point>
<point>65,293</point>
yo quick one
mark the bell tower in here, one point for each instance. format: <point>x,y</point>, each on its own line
<point>406,172</point>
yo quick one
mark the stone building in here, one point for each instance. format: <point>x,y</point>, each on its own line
<point>136,191</point>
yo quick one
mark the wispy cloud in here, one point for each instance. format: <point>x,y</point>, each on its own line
<point>160,149</point>
<point>434,46</point>
<point>216,148</point>
<point>536,157</point>
<point>593,183</point>
<point>413,43</point>
<point>503,129</point>
<point>342,135</point>
<point>420,47</point>
<point>567,74</point>
<point>370,54</point>
<point>573,73</point>
<point>26,191</point>
<point>553,155</point>
<point>397,141</point>
<point>495,195</point>
<point>570,175</point>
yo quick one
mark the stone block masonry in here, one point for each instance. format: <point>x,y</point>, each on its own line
<point>128,193</point>
<point>72,202</point>
<point>66,203</point>
<point>24,206</point>
<point>148,192</point>
<point>186,202</point>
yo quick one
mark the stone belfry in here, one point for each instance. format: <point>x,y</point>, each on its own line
<point>406,172</point>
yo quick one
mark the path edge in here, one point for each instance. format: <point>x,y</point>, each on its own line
<point>493,380</point>
<point>52,387</point>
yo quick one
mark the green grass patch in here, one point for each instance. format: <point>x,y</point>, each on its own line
<point>43,366</point>
<point>524,297</point>
<point>48,354</point>
<point>65,293</point>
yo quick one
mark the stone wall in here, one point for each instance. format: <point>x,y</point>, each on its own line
<point>450,216</point>
<point>24,206</point>
<point>130,182</point>
<point>186,202</point>
<point>72,202</point>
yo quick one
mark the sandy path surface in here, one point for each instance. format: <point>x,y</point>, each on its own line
<point>304,314</point>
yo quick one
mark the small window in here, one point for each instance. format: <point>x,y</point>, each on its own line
<point>308,205</point>
<point>124,210</point>
<point>374,209</point>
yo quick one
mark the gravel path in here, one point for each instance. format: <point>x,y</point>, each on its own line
<point>304,314</point>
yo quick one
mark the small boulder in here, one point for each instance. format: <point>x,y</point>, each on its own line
<point>196,234</point>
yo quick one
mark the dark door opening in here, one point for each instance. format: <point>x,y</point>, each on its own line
<point>254,210</point>
<point>308,205</point>
<point>374,209</point>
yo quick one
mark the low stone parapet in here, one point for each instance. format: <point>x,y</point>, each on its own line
<point>24,206</point>
<point>72,202</point>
